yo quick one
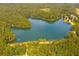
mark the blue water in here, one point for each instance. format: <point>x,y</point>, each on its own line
<point>42,29</point>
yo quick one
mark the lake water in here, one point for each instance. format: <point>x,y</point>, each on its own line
<point>42,29</point>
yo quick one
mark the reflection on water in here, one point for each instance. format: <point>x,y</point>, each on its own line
<point>42,29</point>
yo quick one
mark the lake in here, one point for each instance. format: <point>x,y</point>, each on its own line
<point>42,29</point>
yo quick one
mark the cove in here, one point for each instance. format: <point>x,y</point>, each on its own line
<point>42,29</point>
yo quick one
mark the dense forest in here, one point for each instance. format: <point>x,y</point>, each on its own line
<point>16,15</point>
